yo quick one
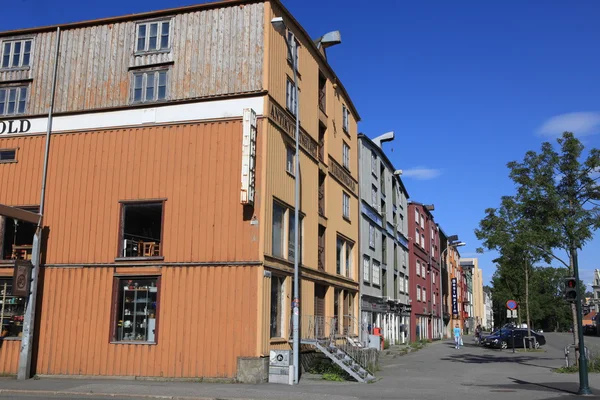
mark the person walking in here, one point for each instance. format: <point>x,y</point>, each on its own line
<point>457,337</point>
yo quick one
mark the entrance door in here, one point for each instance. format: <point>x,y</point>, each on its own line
<point>320,292</point>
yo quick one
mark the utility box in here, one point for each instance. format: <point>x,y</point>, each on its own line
<point>375,342</point>
<point>281,369</point>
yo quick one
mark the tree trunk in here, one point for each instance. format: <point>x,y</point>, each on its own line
<point>527,301</point>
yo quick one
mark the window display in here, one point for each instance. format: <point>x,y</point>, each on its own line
<point>137,305</point>
<point>12,310</point>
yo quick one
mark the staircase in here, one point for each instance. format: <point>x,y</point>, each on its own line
<point>346,362</point>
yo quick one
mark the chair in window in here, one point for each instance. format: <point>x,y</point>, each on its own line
<point>150,249</point>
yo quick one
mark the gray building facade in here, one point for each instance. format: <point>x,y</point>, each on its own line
<point>383,240</point>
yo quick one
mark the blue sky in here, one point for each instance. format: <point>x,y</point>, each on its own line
<point>467,86</point>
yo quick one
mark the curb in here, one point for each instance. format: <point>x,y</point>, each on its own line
<point>116,395</point>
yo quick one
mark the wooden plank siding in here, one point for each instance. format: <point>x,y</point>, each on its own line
<point>213,52</point>
<point>195,167</point>
<point>207,318</point>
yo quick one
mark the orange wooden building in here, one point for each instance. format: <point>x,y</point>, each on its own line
<point>168,227</point>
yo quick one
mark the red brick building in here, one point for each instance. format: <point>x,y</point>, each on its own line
<point>425,277</point>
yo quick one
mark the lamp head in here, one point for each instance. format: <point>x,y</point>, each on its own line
<point>278,24</point>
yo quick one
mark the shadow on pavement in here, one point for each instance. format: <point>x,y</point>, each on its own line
<point>493,358</point>
<point>557,387</point>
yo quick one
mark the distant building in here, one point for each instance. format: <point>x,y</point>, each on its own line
<point>488,311</point>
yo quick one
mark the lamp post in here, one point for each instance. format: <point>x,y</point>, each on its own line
<point>453,246</point>
<point>329,39</point>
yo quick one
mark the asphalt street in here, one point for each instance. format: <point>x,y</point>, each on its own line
<point>438,371</point>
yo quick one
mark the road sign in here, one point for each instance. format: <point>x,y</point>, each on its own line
<point>511,313</point>
<point>511,305</point>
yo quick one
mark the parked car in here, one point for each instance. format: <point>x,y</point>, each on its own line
<point>589,330</point>
<point>503,339</point>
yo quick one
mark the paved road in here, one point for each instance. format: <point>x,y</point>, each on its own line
<point>438,371</point>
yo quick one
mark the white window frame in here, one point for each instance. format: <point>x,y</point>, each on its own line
<point>366,269</point>
<point>422,222</point>
<point>433,277</point>
<point>345,115</point>
<point>424,294</point>
<point>345,155</point>
<point>11,53</point>
<point>423,270</point>
<point>417,217</point>
<point>373,163</point>
<point>376,273</point>
<point>423,241</point>
<point>5,96</point>
<point>159,35</point>
<point>371,236</point>
<point>290,160</point>
<point>417,237</point>
<point>281,303</point>
<point>346,205</point>
<point>145,74</point>
<point>293,47</point>
<point>418,267</point>
<point>290,96</point>
<point>418,293</point>
<point>374,197</point>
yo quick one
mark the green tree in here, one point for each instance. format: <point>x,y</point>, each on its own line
<point>559,192</point>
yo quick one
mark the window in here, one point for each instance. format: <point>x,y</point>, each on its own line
<point>348,260</point>
<point>432,250</point>
<point>424,294</point>
<point>423,241</point>
<point>16,53</point>
<point>383,249</point>
<point>417,237</point>
<point>418,293</point>
<point>152,36</point>
<point>278,230</point>
<point>384,290</point>
<point>277,306</point>
<point>366,269</point>
<point>346,155</point>
<point>416,216</point>
<point>149,86</point>
<point>433,297</point>
<point>141,233</point>
<point>18,238</point>
<point>13,308</point>
<point>345,115</point>
<point>346,205</point>
<point>374,196</point>
<point>405,285</point>
<point>136,306</point>
<point>290,96</point>
<point>376,273</point>
<point>8,155</point>
<point>290,160</point>
<point>373,164</point>
<point>423,271</point>
<point>293,49</point>
<point>401,282</point>
<point>339,254</point>
<point>433,277</point>
<point>343,257</point>
<point>418,270</point>
<point>13,100</point>
<point>371,236</point>
<point>422,222</point>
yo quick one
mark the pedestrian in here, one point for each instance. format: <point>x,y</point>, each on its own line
<point>457,337</point>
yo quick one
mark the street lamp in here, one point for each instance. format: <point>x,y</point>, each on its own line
<point>452,245</point>
<point>329,39</point>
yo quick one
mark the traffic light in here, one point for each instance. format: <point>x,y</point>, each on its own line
<point>571,289</point>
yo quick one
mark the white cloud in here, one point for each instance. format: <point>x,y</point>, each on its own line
<point>580,123</point>
<point>421,173</point>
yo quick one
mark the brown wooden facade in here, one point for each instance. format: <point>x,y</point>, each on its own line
<point>216,264</point>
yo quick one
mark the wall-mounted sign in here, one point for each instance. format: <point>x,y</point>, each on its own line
<point>342,175</point>
<point>248,157</point>
<point>454,297</point>
<point>21,278</point>
<point>14,126</point>
<point>282,119</point>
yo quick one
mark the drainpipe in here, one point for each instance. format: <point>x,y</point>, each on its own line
<point>24,371</point>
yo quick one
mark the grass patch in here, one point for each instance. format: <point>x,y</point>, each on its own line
<point>386,344</point>
<point>530,351</point>
<point>593,365</point>
<point>329,371</point>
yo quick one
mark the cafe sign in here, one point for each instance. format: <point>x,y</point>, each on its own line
<point>14,126</point>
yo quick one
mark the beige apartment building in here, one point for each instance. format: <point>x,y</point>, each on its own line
<point>478,302</point>
<point>168,248</point>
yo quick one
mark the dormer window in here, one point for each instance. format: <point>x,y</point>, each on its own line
<point>16,53</point>
<point>153,36</point>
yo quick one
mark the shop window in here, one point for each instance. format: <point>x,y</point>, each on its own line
<point>141,233</point>
<point>135,309</point>
<point>18,237</point>
<point>12,310</point>
<point>277,315</point>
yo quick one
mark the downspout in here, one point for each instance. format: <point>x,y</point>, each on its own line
<point>24,371</point>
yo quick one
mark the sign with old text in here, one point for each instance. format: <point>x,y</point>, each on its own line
<point>454,298</point>
<point>282,119</point>
<point>342,175</point>
<point>22,278</point>
<point>14,126</point>
<point>248,157</point>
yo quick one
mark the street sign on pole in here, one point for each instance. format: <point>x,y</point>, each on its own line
<point>511,305</point>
